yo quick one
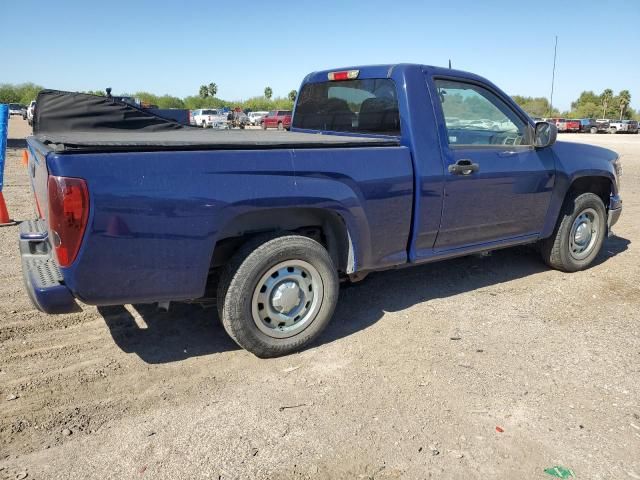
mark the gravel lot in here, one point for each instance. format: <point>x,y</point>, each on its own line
<point>418,369</point>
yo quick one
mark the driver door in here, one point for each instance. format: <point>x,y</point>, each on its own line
<point>497,185</point>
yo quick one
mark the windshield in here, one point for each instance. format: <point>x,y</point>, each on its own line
<point>364,106</point>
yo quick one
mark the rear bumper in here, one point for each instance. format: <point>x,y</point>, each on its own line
<point>615,210</point>
<point>42,277</point>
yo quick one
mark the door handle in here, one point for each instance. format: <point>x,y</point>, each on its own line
<point>464,167</point>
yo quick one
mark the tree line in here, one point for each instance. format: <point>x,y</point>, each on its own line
<point>205,98</point>
<point>587,105</point>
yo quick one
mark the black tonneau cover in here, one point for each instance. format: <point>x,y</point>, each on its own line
<point>72,122</point>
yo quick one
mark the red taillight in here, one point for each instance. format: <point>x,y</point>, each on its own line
<point>68,214</point>
<point>345,75</point>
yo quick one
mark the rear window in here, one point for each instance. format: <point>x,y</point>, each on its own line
<point>209,112</point>
<point>360,106</point>
<point>284,112</point>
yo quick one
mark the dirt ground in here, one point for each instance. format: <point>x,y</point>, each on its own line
<point>480,367</point>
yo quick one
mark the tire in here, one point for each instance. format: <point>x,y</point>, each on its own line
<point>568,250</point>
<point>594,130</point>
<point>613,131</point>
<point>263,125</point>
<point>309,290</point>
<point>280,126</point>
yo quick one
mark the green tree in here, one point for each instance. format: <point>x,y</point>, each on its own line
<point>204,91</point>
<point>268,93</point>
<point>213,89</point>
<point>624,99</point>
<point>605,99</point>
<point>535,106</point>
<point>292,95</point>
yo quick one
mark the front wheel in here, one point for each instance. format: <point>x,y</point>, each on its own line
<point>579,234</point>
<point>277,294</point>
<point>594,130</point>
<point>280,127</point>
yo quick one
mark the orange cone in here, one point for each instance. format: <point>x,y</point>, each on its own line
<point>4,214</point>
<point>25,158</point>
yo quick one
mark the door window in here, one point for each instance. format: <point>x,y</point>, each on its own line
<point>475,116</point>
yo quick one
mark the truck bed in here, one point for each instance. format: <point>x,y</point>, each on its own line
<point>200,139</point>
<point>78,122</point>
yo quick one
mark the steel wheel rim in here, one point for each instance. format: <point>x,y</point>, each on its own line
<point>287,298</point>
<point>584,234</point>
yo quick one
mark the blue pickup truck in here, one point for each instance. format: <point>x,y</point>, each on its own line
<point>385,166</point>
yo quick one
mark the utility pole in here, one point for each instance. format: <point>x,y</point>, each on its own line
<point>553,75</point>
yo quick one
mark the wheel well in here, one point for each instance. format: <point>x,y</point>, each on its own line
<point>601,186</point>
<point>326,227</point>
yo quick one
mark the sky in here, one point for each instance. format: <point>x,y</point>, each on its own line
<point>243,46</point>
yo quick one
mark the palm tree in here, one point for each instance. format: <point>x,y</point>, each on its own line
<point>213,89</point>
<point>204,91</point>
<point>268,93</point>
<point>625,100</point>
<point>606,97</point>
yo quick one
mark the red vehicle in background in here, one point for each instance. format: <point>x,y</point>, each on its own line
<point>572,126</point>
<point>280,119</point>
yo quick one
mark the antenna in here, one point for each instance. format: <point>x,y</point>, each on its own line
<point>449,64</point>
<point>553,75</point>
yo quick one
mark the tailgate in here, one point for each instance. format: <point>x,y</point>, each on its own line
<point>38,174</point>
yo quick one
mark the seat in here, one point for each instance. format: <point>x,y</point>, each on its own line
<point>379,115</point>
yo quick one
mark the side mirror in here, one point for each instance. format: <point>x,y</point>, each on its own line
<point>545,134</point>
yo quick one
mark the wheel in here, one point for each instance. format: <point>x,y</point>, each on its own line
<point>204,125</point>
<point>613,130</point>
<point>579,234</point>
<point>594,130</point>
<point>277,294</point>
<point>263,125</point>
<point>280,127</point>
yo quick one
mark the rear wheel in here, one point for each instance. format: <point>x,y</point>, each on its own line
<point>579,234</point>
<point>263,125</point>
<point>277,294</point>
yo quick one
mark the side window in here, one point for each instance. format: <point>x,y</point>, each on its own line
<point>475,116</point>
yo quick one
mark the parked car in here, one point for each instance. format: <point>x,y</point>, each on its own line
<point>632,126</point>
<point>265,226</point>
<point>620,126</point>
<point>560,123</point>
<point>588,125</point>
<point>237,118</point>
<point>30,111</point>
<point>15,109</point>
<point>256,117</point>
<point>280,119</point>
<point>572,126</point>
<point>603,125</point>
<point>209,117</point>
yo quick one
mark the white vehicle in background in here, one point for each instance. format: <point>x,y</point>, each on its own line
<point>209,117</point>
<point>30,111</point>
<point>256,117</point>
<point>623,126</point>
<point>15,109</point>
